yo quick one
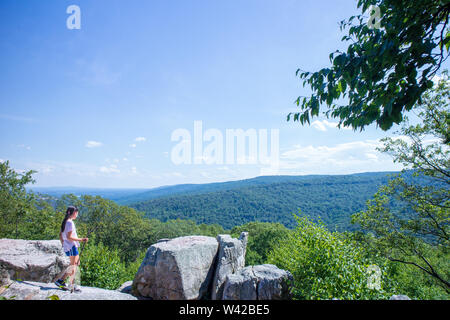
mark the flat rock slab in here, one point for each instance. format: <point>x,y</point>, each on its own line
<point>28,290</point>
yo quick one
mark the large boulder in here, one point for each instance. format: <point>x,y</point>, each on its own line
<point>34,260</point>
<point>261,282</point>
<point>230,259</point>
<point>178,269</point>
<point>29,290</point>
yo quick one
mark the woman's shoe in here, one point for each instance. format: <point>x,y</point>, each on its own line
<point>61,285</point>
<point>75,289</point>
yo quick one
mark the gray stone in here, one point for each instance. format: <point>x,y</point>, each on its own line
<point>262,282</point>
<point>4,276</point>
<point>126,287</point>
<point>241,285</point>
<point>33,260</point>
<point>29,290</point>
<point>399,297</point>
<point>179,269</point>
<point>230,259</point>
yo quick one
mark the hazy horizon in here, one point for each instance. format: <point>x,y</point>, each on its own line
<point>187,183</point>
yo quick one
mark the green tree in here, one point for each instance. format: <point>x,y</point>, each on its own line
<point>262,238</point>
<point>16,204</point>
<point>41,222</point>
<point>409,217</point>
<point>326,265</point>
<point>385,70</point>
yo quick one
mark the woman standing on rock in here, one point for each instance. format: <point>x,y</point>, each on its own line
<point>70,242</point>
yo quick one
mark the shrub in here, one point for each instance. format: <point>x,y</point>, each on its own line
<point>262,238</point>
<point>326,266</point>
<point>101,267</point>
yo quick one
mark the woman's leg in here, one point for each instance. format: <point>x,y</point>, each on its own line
<point>73,267</point>
<point>69,269</point>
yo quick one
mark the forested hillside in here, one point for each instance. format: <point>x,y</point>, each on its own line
<point>184,189</point>
<point>333,199</point>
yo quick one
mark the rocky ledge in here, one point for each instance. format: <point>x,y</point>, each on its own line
<point>29,290</point>
<point>184,268</point>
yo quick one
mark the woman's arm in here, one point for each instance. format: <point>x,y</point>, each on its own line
<point>61,238</point>
<point>69,237</point>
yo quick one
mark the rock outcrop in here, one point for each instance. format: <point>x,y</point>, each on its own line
<point>184,268</point>
<point>29,290</point>
<point>178,269</point>
<point>262,282</point>
<point>33,260</point>
<point>230,259</point>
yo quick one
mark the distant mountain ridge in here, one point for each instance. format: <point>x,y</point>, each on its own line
<point>331,198</point>
<point>171,190</point>
<point>108,193</point>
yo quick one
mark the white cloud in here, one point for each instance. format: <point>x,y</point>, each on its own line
<point>46,169</point>
<point>321,125</point>
<point>140,139</point>
<point>24,146</point>
<point>63,170</point>
<point>323,152</point>
<point>350,157</point>
<point>133,145</point>
<point>173,174</point>
<point>205,174</point>
<point>93,144</point>
<point>111,169</point>
<point>324,124</point>
<point>372,156</point>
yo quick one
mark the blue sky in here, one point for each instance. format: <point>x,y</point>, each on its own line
<point>96,107</point>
